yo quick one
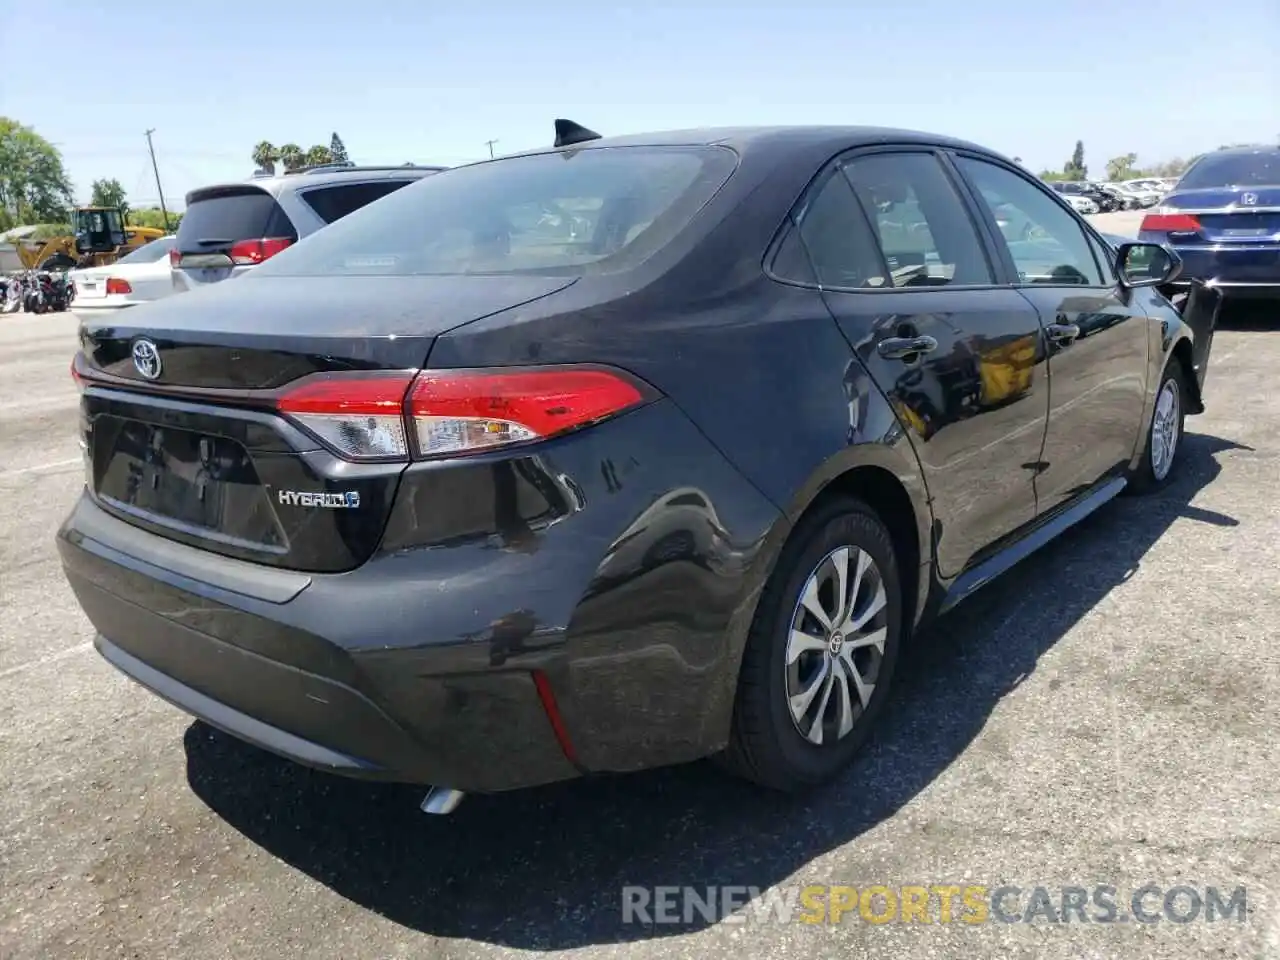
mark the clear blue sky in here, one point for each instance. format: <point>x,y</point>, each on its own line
<point>431,82</point>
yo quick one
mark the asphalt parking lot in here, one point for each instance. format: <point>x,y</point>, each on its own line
<point>1108,713</point>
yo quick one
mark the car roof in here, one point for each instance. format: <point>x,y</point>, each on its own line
<point>1244,150</point>
<point>278,183</point>
<point>751,139</point>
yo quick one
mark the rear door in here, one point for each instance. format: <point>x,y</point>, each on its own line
<point>1097,334</point>
<point>226,231</point>
<point>905,272</point>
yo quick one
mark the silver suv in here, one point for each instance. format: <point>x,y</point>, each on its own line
<point>229,228</point>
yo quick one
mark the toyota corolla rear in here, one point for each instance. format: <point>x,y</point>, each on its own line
<point>1223,219</point>
<point>303,528</point>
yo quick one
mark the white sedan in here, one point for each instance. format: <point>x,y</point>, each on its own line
<point>135,278</point>
<point>1080,204</point>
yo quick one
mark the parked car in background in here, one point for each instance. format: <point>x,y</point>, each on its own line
<point>454,495</point>
<point>1147,191</point>
<point>1223,219</point>
<point>1080,203</point>
<point>230,228</point>
<point>1123,199</point>
<point>1103,202</point>
<point>135,278</point>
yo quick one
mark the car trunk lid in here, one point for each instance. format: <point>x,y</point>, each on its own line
<point>1226,215</point>
<point>181,412</point>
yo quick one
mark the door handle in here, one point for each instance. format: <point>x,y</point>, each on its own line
<point>1062,332</point>
<point>899,348</point>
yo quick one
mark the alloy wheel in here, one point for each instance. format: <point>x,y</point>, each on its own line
<point>835,646</point>
<point>1166,424</point>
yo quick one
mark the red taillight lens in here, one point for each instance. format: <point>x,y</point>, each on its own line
<point>372,416</point>
<point>175,258</point>
<point>116,285</point>
<point>255,251</point>
<point>75,375</point>
<point>463,411</point>
<point>1170,223</point>
<point>361,416</point>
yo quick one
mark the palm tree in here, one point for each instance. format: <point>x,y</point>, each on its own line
<point>291,156</point>
<point>318,155</point>
<point>265,156</point>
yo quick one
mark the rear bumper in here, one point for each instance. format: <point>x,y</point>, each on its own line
<point>237,662</point>
<point>97,308</point>
<point>1252,270</point>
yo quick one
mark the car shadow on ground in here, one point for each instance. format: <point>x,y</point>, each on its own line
<point>545,868</point>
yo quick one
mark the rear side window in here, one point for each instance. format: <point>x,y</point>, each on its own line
<point>219,217</point>
<point>566,213</point>
<point>839,241</point>
<point>335,202</point>
<point>1261,169</point>
<point>925,233</point>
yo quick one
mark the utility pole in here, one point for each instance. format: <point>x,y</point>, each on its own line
<point>164,212</point>
<point>489,144</point>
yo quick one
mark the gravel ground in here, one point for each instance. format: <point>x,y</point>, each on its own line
<point>1105,714</point>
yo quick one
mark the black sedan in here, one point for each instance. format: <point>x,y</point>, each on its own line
<point>617,454</point>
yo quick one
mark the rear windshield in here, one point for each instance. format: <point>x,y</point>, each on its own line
<point>572,212</point>
<point>334,202</point>
<point>157,249</point>
<point>1261,169</point>
<point>217,218</point>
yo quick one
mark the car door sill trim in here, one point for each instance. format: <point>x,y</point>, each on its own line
<point>1041,534</point>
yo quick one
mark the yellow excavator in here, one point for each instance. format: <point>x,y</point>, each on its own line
<point>99,237</point>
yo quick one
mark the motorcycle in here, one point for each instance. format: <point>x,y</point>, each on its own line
<point>53,289</point>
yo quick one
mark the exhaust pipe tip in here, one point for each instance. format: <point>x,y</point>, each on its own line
<point>441,801</point>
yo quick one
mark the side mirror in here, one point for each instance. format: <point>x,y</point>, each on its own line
<point>1147,264</point>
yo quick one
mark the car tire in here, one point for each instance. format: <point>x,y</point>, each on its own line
<point>1164,433</point>
<point>770,744</point>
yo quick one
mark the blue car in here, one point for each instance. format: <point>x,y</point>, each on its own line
<point>1223,219</point>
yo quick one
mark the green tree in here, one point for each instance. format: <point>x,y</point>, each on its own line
<point>50,231</point>
<point>265,156</point>
<point>291,156</point>
<point>317,155</point>
<point>34,187</point>
<point>1121,168</point>
<point>338,150</point>
<point>109,193</point>
<point>1075,168</point>
<point>152,217</point>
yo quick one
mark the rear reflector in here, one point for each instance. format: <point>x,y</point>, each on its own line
<point>463,411</point>
<point>255,251</point>
<point>450,412</point>
<point>116,285</point>
<point>1170,223</point>
<point>360,416</point>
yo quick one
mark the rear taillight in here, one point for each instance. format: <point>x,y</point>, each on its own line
<point>116,285</point>
<point>175,258</point>
<point>396,416</point>
<point>75,376</point>
<point>462,411</point>
<point>360,416</point>
<point>255,251</point>
<point>1170,222</point>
